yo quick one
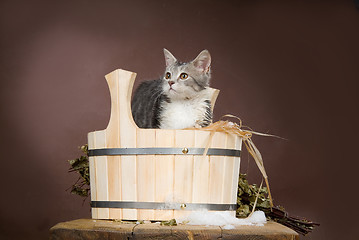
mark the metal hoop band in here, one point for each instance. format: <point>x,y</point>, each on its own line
<point>163,206</point>
<point>163,151</point>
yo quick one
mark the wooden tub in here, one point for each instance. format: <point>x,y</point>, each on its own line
<point>157,174</point>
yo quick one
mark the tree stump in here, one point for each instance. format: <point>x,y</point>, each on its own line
<point>90,229</point>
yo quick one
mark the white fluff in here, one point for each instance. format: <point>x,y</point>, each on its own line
<point>184,113</point>
<point>222,219</point>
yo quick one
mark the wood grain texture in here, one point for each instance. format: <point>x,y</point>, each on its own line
<point>102,193</point>
<point>196,232</point>
<point>216,169</point>
<point>164,173</point>
<point>146,173</point>
<point>104,229</point>
<point>122,133</point>
<point>87,229</point>
<point>92,172</point>
<point>215,93</point>
<point>236,167</point>
<point>183,170</point>
<point>127,134</point>
<point>112,141</point>
<point>201,171</point>
<point>156,178</point>
<point>152,231</point>
<point>120,83</point>
<point>229,171</point>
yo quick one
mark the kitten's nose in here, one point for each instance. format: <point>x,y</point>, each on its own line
<point>171,83</point>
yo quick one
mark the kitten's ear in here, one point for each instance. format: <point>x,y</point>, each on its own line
<point>203,61</point>
<point>170,59</point>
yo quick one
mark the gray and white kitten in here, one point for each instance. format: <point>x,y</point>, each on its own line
<point>181,99</point>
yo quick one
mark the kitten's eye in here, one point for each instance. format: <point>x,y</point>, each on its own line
<point>168,75</point>
<point>184,76</point>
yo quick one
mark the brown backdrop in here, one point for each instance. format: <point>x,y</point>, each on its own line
<point>288,68</point>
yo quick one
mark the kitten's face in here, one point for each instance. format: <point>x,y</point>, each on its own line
<point>185,80</point>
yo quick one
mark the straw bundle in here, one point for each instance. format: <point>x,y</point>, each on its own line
<point>246,135</point>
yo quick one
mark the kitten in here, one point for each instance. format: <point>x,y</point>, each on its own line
<point>181,99</point>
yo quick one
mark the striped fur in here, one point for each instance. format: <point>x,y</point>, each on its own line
<point>174,102</point>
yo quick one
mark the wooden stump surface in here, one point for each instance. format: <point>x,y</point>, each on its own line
<point>91,229</point>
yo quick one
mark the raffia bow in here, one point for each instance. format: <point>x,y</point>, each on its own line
<point>246,135</point>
